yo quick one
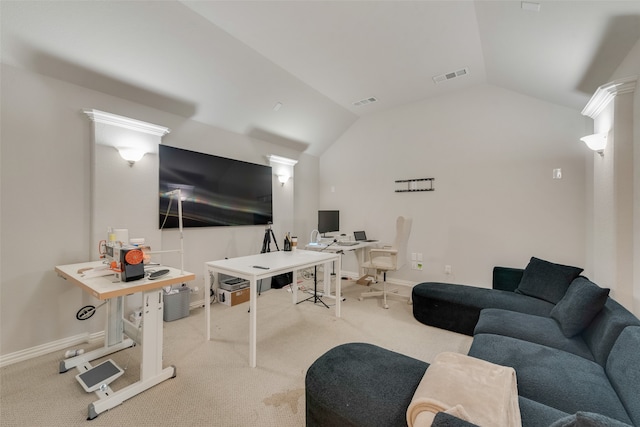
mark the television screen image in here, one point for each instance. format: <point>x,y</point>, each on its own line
<point>328,221</point>
<point>215,191</point>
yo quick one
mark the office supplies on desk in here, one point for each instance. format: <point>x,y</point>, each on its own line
<point>348,243</point>
<point>102,270</point>
<point>158,274</point>
<point>361,236</point>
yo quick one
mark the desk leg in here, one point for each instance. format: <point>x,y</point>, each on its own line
<point>114,328</point>
<point>338,285</point>
<point>207,306</point>
<point>151,372</point>
<point>76,361</point>
<point>152,318</point>
<point>294,286</point>
<point>114,339</point>
<point>253,307</point>
<point>111,401</point>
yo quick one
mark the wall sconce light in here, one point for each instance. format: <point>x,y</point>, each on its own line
<point>597,142</point>
<point>283,178</point>
<point>131,155</point>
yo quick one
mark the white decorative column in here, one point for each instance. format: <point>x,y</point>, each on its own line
<point>283,217</point>
<point>124,194</point>
<point>614,190</point>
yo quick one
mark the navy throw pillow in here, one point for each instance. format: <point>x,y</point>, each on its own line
<point>546,281</point>
<point>582,302</point>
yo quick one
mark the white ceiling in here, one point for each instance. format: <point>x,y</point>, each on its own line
<point>227,63</point>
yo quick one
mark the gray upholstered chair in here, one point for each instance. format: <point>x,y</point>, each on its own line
<point>389,258</point>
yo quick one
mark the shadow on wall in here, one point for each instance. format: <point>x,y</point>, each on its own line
<point>281,141</point>
<point>622,33</point>
<point>61,69</point>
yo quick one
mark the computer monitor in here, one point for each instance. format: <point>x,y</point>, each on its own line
<point>328,221</point>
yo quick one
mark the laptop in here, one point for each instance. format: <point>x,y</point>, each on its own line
<point>361,236</point>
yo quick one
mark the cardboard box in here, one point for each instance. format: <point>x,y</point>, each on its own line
<point>365,280</point>
<point>232,298</point>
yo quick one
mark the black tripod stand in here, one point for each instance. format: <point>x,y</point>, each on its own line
<point>266,247</point>
<point>315,296</point>
<point>266,242</point>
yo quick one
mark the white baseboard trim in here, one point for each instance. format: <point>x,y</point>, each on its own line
<point>41,350</point>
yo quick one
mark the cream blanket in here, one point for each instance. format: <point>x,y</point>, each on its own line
<point>474,390</point>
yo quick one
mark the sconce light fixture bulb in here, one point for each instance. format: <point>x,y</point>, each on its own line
<point>597,142</point>
<point>130,154</point>
<point>283,178</point>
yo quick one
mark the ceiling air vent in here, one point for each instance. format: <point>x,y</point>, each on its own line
<point>365,101</point>
<point>452,75</point>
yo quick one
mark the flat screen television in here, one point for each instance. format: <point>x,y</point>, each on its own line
<point>215,191</point>
<point>328,221</point>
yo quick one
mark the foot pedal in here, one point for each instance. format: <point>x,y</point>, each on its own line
<point>99,376</point>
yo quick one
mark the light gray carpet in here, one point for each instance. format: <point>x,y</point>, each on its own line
<point>214,385</point>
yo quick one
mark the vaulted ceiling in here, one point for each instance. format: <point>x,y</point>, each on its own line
<point>290,72</point>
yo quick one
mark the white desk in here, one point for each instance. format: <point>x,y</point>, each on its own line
<point>104,288</point>
<point>275,263</point>
<point>359,249</point>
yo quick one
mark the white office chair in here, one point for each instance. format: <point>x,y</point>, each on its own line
<point>389,258</point>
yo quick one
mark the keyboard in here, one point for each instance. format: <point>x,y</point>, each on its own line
<point>347,243</point>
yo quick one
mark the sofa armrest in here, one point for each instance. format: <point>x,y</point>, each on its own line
<point>507,278</point>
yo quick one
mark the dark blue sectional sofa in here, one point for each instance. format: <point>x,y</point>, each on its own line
<point>575,350</point>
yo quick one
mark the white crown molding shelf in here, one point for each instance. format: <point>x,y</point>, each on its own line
<point>606,93</point>
<point>125,122</point>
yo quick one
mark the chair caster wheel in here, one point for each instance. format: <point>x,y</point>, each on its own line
<point>360,299</point>
<point>410,302</point>
<point>386,306</point>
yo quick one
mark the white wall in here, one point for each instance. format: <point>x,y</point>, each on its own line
<point>45,199</point>
<point>492,153</point>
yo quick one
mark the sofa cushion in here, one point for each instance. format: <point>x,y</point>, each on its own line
<point>457,307</point>
<point>360,384</point>
<point>527,327</point>
<point>546,280</point>
<point>623,369</point>
<point>580,304</point>
<point>535,414</point>
<point>506,278</point>
<point>553,377</point>
<point>605,329</point>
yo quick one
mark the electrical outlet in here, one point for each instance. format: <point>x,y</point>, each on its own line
<point>419,265</point>
<point>419,256</point>
<point>447,269</point>
<point>413,256</point>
